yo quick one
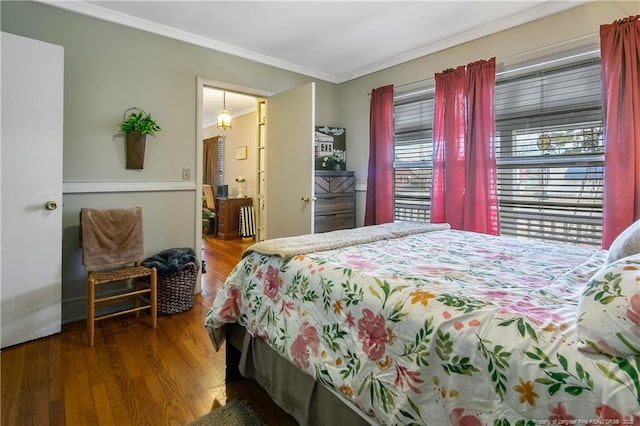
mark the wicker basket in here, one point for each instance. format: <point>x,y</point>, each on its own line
<point>176,290</point>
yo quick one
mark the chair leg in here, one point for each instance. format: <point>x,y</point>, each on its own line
<point>136,299</point>
<point>91,297</point>
<point>154,297</point>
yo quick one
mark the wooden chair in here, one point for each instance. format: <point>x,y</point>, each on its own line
<point>209,202</point>
<point>112,249</point>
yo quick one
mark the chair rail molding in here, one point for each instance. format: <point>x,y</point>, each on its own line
<point>126,186</point>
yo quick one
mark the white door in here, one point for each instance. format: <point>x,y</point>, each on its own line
<point>31,154</point>
<point>290,124</point>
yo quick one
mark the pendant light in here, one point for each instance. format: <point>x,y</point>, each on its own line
<point>224,117</point>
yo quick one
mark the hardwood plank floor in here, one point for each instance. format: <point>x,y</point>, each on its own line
<point>134,375</point>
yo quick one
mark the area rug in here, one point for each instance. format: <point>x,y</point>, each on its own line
<point>234,413</point>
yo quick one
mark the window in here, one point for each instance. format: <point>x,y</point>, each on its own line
<point>550,154</point>
<point>413,150</point>
<point>549,150</point>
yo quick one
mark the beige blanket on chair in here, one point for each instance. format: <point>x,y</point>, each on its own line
<point>111,238</point>
<point>291,246</point>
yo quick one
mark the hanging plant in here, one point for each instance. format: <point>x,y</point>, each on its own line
<point>139,122</point>
<point>136,126</point>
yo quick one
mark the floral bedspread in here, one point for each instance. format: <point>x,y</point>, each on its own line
<point>438,328</point>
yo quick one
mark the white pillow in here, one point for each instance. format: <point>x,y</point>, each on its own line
<point>625,244</point>
<point>609,309</point>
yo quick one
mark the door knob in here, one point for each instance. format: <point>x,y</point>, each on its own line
<point>306,198</point>
<point>51,205</point>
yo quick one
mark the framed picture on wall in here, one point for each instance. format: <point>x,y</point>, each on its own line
<point>241,152</point>
<point>329,142</point>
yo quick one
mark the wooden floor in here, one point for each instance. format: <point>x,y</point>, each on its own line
<point>134,375</point>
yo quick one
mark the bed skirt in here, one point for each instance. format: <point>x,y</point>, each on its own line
<point>309,402</point>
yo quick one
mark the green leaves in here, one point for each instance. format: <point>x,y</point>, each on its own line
<point>563,378</point>
<point>352,367</point>
<point>397,314</point>
<point>418,351</point>
<point>523,327</point>
<point>379,392</point>
<point>387,290</point>
<point>626,367</point>
<point>327,289</point>
<point>607,290</point>
<point>323,376</point>
<point>300,288</point>
<point>331,334</point>
<point>139,122</point>
<point>415,419</point>
<point>461,303</point>
<point>353,294</point>
<point>497,364</point>
<point>458,364</point>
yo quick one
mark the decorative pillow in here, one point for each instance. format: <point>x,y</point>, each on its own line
<point>609,309</point>
<point>625,244</point>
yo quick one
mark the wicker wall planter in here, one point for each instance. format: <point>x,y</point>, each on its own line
<point>176,290</point>
<point>135,126</point>
<point>136,143</point>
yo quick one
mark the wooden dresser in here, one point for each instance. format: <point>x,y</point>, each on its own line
<point>335,193</point>
<point>228,216</point>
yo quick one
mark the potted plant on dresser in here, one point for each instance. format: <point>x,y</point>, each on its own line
<point>136,126</point>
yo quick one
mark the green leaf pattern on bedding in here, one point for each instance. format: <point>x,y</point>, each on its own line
<point>439,328</point>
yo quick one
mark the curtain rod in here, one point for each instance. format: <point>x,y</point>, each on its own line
<point>526,52</point>
<point>431,88</point>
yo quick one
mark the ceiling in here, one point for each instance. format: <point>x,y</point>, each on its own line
<point>334,41</point>
<point>237,104</point>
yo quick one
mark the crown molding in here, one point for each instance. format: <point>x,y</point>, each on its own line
<point>98,12</point>
<point>536,12</point>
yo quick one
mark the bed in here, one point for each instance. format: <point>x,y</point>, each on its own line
<point>412,323</point>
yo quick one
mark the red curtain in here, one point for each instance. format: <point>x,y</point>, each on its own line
<point>447,192</point>
<point>379,204</point>
<point>463,191</point>
<point>620,62</point>
<point>481,194</point>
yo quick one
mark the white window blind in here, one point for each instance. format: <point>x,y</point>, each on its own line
<point>549,152</point>
<point>413,151</point>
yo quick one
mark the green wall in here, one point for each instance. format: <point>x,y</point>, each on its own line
<point>109,68</point>
<point>574,30</point>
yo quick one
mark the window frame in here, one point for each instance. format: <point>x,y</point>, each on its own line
<point>553,119</point>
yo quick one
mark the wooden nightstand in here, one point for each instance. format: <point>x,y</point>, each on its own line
<point>228,215</point>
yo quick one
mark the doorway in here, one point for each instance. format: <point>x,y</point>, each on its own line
<point>228,152</point>
<point>290,185</point>
<point>208,120</point>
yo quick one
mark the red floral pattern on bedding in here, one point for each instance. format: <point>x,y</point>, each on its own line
<point>439,328</point>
